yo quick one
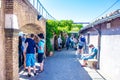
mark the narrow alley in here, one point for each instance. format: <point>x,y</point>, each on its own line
<point>63,65</point>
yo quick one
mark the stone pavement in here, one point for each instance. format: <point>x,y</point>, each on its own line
<point>63,65</point>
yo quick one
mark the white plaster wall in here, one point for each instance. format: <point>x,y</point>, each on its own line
<point>110,56</point>
<point>94,40</point>
<point>11,21</point>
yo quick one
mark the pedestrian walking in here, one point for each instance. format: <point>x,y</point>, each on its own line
<point>67,42</point>
<point>59,43</point>
<point>81,44</point>
<point>30,54</point>
<point>20,51</point>
<point>21,48</point>
<point>71,41</point>
<point>23,44</point>
<point>41,53</point>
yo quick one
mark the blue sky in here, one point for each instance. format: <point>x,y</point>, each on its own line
<point>79,10</point>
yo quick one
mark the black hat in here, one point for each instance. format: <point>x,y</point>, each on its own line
<point>41,35</point>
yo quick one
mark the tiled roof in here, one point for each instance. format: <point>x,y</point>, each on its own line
<point>109,17</point>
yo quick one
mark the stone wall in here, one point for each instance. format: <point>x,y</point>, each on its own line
<point>18,14</point>
<point>2,55</point>
<point>11,54</point>
<point>2,52</point>
<point>26,14</point>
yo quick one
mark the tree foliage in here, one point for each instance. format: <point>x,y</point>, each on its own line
<point>79,26</point>
<point>54,27</point>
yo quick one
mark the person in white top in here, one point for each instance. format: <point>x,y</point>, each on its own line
<point>59,42</point>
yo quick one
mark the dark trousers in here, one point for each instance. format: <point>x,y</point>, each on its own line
<point>21,59</point>
<point>67,46</point>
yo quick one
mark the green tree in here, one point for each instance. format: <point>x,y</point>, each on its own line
<point>55,27</point>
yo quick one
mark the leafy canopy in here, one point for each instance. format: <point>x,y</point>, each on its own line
<point>55,27</point>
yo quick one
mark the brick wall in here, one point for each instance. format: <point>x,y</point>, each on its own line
<point>2,56</point>
<point>11,53</point>
<point>9,6</point>
<point>25,16</point>
<point>2,53</point>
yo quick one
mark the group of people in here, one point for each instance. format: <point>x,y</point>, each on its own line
<point>72,42</point>
<point>82,51</point>
<point>76,43</point>
<point>29,47</point>
<point>69,42</point>
<point>82,48</point>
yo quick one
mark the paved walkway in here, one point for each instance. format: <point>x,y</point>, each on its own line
<point>64,65</point>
